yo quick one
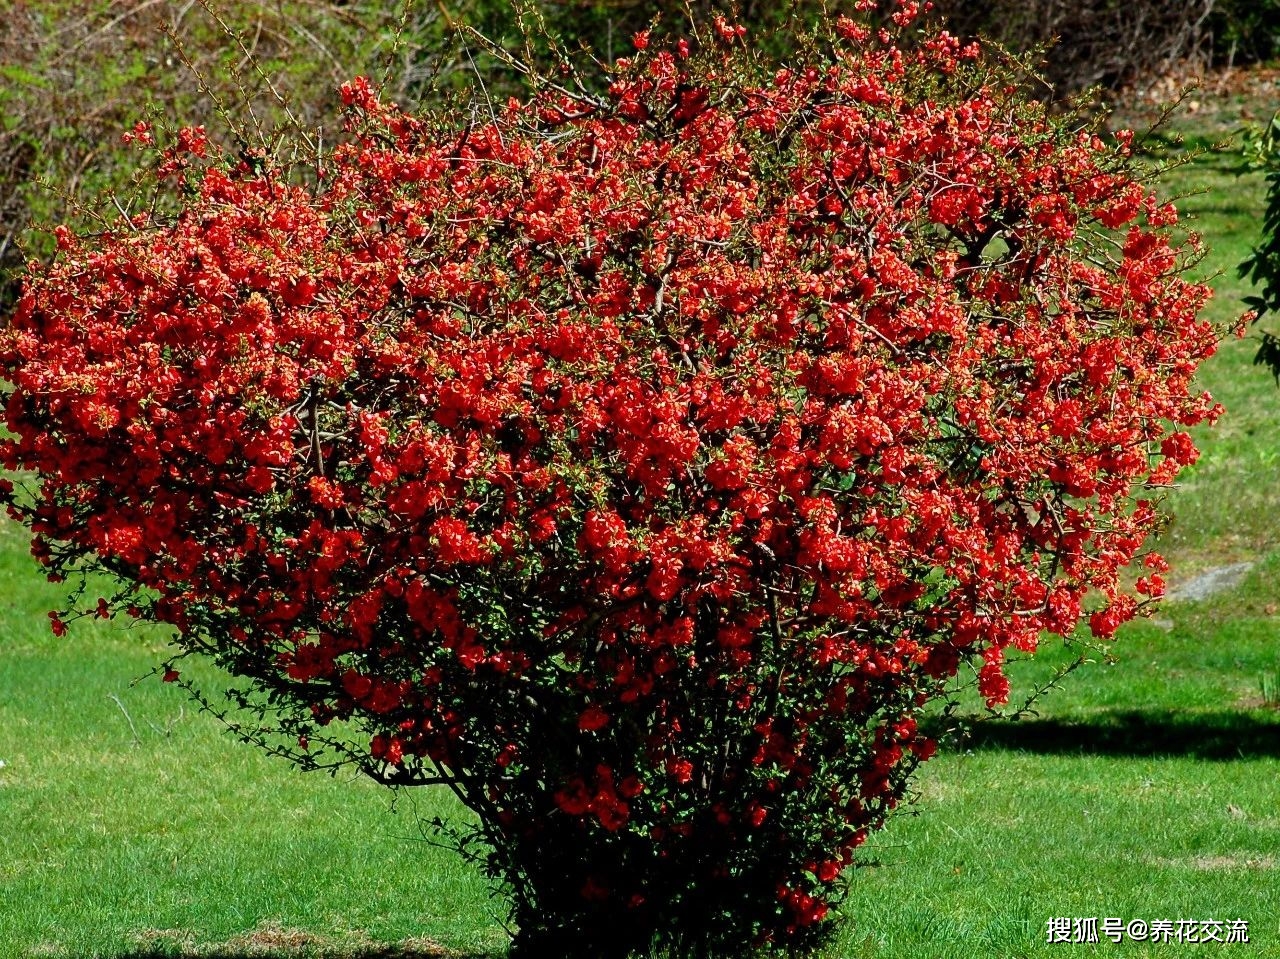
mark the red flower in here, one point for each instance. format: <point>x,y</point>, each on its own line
<point>681,770</point>
<point>573,798</point>
<point>593,718</point>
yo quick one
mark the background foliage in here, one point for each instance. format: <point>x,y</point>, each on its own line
<point>74,75</point>
<point>1119,43</point>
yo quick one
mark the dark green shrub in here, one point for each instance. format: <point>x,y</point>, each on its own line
<point>1262,267</point>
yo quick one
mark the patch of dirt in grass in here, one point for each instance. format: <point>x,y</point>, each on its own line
<point>1210,582</point>
<point>1208,863</point>
<point>1221,863</point>
<point>165,939</point>
<point>933,791</point>
<point>1251,700</point>
<point>272,937</point>
<point>274,941</point>
<point>1219,101</point>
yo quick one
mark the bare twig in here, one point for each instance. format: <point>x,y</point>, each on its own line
<point>137,740</point>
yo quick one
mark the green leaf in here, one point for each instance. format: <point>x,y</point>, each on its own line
<point>17,74</point>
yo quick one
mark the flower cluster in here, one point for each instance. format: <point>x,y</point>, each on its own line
<point>640,466</point>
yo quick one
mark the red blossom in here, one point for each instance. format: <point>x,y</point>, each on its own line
<point>592,719</point>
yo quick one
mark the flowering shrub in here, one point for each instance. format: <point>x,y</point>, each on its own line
<point>640,467</point>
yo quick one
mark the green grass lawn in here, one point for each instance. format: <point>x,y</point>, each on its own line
<point>1147,788</point>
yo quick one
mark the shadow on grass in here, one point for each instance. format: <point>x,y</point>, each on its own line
<point>1215,735</point>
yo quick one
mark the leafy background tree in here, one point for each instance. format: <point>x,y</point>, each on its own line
<point>1262,267</point>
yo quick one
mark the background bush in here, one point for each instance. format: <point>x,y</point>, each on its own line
<point>75,74</point>
<point>1120,43</point>
<point>1262,267</point>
